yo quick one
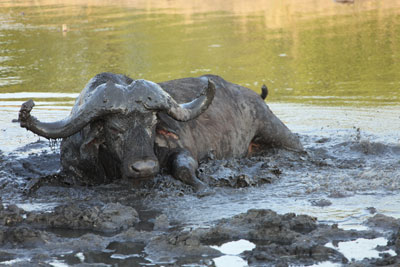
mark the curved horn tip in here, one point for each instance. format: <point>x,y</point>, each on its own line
<point>209,91</point>
<point>191,110</point>
<point>24,112</point>
<point>211,84</point>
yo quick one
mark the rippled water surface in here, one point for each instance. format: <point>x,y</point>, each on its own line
<point>332,69</point>
<point>305,51</point>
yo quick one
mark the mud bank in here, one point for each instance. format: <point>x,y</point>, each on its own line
<point>279,240</point>
<point>163,222</point>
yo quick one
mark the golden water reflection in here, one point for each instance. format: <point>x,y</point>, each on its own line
<point>306,51</point>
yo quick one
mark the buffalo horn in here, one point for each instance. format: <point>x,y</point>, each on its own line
<point>191,110</point>
<point>99,104</point>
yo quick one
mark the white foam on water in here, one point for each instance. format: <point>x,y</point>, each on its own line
<point>235,247</point>
<point>231,261</point>
<point>326,264</point>
<point>47,207</point>
<point>58,263</point>
<point>12,262</point>
<point>123,256</point>
<point>361,248</point>
<point>80,256</point>
<point>232,250</point>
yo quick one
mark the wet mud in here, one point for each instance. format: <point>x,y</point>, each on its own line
<point>48,219</point>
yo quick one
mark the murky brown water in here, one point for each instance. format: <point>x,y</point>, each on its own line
<point>306,51</point>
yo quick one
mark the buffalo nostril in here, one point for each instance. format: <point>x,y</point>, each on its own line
<point>145,167</point>
<point>135,168</point>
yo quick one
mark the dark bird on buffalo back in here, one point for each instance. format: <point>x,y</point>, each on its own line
<point>264,92</point>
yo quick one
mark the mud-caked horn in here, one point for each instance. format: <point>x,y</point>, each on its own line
<point>191,110</point>
<point>102,102</point>
<point>110,98</point>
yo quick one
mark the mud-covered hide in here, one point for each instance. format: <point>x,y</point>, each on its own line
<point>121,127</point>
<point>237,118</point>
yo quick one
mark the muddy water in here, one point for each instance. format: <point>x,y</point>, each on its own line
<point>360,170</point>
<point>332,72</point>
<point>305,51</point>
<point>349,174</point>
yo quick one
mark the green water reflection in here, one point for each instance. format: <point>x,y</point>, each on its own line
<point>347,56</point>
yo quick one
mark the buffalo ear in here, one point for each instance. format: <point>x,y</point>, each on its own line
<point>93,137</point>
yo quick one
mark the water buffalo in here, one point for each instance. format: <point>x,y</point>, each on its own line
<point>121,127</point>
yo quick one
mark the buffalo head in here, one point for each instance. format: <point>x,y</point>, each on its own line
<point>120,118</point>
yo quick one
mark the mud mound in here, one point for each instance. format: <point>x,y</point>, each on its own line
<point>265,225</point>
<point>34,165</point>
<point>287,239</point>
<point>238,172</point>
<point>109,217</point>
<point>12,215</point>
<point>22,236</point>
<point>383,222</point>
<point>264,168</point>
